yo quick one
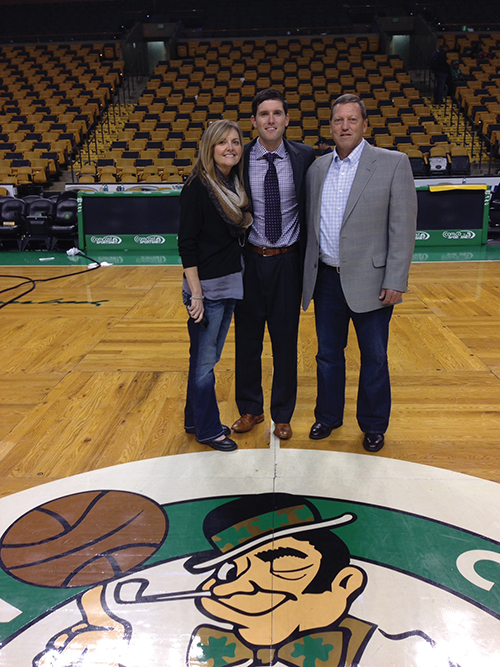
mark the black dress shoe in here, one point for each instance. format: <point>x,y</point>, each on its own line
<point>225,445</point>
<point>319,431</point>
<point>190,429</point>
<point>373,442</point>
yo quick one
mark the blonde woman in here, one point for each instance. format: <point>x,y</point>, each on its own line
<point>213,224</point>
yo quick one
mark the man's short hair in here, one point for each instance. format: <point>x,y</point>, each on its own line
<point>268,94</point>
<point>350,98</point>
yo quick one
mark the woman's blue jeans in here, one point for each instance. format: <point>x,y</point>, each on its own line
<point>202,411</point>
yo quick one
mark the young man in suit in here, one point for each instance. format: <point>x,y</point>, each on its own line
<point>275,182</point>
<point>361,217</point>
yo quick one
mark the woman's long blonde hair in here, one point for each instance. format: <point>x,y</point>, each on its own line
<point>232,204</point>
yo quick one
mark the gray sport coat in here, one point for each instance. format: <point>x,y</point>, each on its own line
<point>377,236</point>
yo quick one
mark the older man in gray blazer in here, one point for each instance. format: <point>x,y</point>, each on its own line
<point>361,223</point>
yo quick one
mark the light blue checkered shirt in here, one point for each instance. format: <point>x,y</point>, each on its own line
<point>336,190</point>
<point>257,168</point>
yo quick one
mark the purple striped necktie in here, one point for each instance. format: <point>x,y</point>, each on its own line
<point>272,201</point>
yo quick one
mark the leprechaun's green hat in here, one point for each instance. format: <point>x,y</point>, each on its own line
<point>241,525</point>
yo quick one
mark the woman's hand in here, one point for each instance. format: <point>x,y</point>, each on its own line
<point>196,309</point>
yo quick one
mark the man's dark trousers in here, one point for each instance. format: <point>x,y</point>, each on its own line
<point>272,289</point>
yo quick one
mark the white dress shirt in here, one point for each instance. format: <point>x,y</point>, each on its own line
<point>336,190</point>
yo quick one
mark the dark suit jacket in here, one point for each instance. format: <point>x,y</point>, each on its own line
<point>301,157</point>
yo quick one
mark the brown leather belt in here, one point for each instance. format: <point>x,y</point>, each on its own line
<point>270,252</point>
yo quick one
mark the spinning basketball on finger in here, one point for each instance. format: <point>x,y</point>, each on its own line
<point>85,539</point>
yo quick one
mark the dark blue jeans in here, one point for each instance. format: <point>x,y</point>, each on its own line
<point>202,411</point>
<point>372,329</point>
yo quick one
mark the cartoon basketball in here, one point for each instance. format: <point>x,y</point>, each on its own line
<point>83,539</point>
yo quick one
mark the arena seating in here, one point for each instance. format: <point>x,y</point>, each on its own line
<point>216,78</point>
<point>45,116</point>
<point>50,97</point>
<point>477,90</point>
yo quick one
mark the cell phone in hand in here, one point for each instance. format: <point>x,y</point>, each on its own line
<point>204,321</point>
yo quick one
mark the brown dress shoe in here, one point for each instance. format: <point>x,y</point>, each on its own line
<point>246,423</point>
<point>283,431</point>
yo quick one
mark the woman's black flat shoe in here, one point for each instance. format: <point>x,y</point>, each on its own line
<point>226,445</point>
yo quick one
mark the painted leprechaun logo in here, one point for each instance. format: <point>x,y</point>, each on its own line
<point>264,579</point>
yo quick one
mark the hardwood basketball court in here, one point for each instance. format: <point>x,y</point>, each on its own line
<point>94,366</point>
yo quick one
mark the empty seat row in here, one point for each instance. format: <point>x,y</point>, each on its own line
<point>44,222</point>
<point>308,46</point>
<point>134,171</point>
<point>439,162</point>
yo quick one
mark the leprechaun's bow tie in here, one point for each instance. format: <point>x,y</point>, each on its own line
<point>213,647</point>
